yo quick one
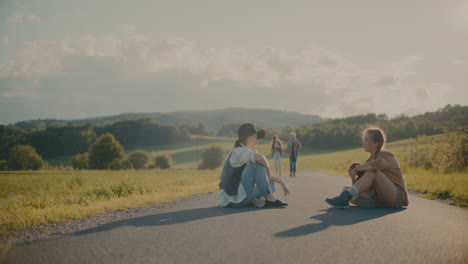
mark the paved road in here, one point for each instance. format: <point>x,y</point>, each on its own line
<point>308,231</point>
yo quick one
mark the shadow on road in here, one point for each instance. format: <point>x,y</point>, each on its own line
<point>168,218</point>
<point>337,217</point>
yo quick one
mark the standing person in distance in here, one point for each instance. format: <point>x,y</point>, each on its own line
<point>246,178</point>
<point>294,147</point>
<point>276,150</point>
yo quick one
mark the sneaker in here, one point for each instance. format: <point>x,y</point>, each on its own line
<point>259,203</point>
<point>340,201</point>
<point>276,203</point>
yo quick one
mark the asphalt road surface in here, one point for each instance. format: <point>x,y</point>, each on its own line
<point>307,231</point>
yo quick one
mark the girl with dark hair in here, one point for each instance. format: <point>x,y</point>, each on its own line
<point>382,183</point>
<point>246,178</point>
<point>276,149</point>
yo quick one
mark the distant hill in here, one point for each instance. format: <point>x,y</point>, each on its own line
<point>214,119</point>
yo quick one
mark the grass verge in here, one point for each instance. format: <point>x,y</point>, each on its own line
<point>34,198</point>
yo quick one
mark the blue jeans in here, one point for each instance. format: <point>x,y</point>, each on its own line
<point>292,163</point>
<point>255,183</point>
<point>277,159</point>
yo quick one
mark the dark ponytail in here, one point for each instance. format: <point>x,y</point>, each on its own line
<point>237,144</point>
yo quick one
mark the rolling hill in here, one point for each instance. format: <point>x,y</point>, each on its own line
<point>214,119</point>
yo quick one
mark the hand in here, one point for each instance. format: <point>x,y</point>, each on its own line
<point>285,188</point>
<point>352,173</point>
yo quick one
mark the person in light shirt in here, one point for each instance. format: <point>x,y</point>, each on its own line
<point>276,150</point>
<point>246,179</point>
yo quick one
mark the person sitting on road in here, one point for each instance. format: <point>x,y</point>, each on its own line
<point>382,183</point>
<point>246,178</point>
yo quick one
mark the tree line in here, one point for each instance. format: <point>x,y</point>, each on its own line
<point>346,132</point>
<point>72,139</point>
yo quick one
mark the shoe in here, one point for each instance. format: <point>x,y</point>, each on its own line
<point>276,203</point>
<point>340,201</point>
<point>259,203</point>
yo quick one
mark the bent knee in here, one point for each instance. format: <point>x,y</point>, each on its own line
<point>255,166</point>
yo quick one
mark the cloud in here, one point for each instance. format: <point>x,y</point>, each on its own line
<point>34,19</point>
<point>462,62</point>
<point>5,41</point>
<point>129,28</point>
<point>36,59</point>
<point>19,18</point>
<point>15,19</point>
<point>109,75</point>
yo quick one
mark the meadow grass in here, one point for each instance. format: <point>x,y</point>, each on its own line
<point>43,197</point>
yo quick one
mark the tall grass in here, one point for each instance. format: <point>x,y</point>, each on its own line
<point>44,197</point>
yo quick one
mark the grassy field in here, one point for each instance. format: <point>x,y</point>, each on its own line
<point>32,198</point>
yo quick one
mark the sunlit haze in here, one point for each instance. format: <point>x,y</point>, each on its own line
<point>77,59</point>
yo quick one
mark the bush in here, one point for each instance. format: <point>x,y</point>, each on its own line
<point>104,151</point>
<point>123,189</point>
<point>139,159</point>
<point>81,161</point>
<point>76,181</point>
<point>3,165</point>
<point>24,157</point>
<point>162,161</point>
<point>212,158</point>
<point>120,164</point>
<point>423,156</point>
<point>457,153</point>
<point>441,156</point>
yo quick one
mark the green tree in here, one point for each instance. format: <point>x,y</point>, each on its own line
<point>120,164</point>
<point>11,136</point>
<point>139,159</point>
<point>81,161</point>
<point>62,140</point>
<point>229,130</point>
<point>212,158</point>
<point>24,157</point>
<point>3,165</point>
<point>104,151</point>
<point>162,161</point>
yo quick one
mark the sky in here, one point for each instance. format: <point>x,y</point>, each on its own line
<point>77,59</point>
